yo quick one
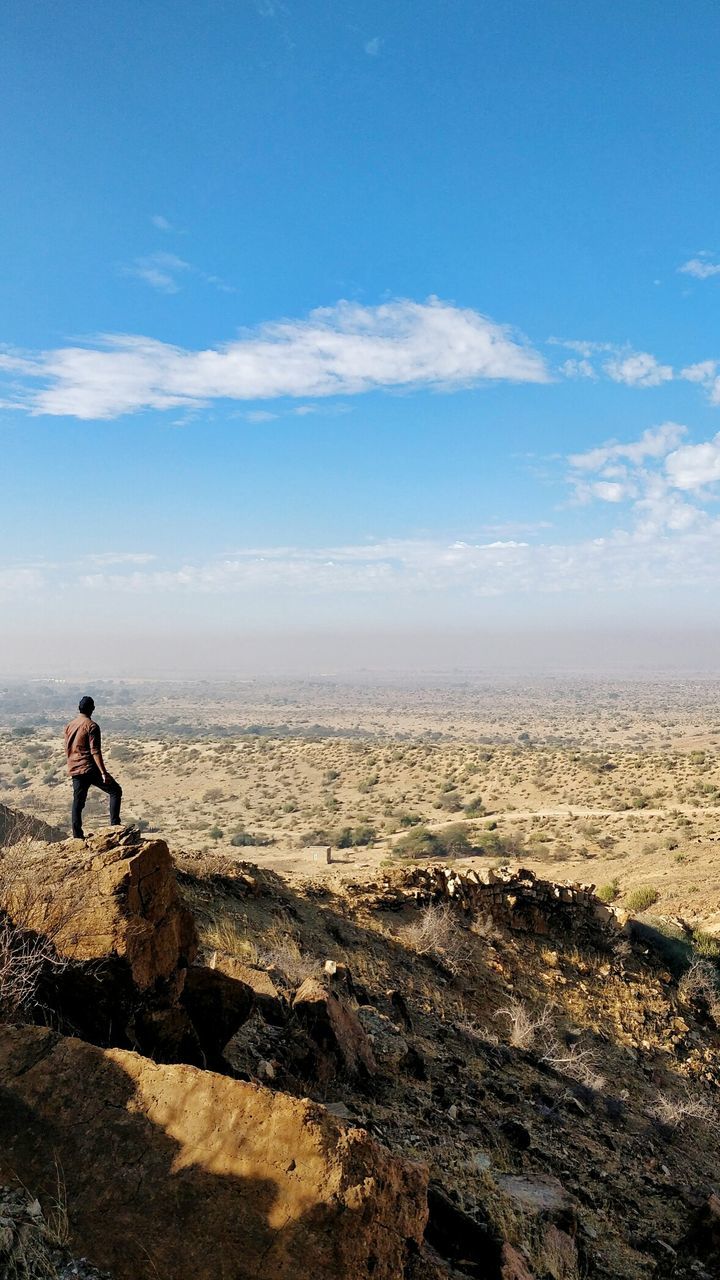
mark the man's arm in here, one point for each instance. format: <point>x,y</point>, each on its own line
<point>96,750</point>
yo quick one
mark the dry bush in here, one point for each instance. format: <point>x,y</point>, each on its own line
<point>281,952</point>
<point>672,1113</point>
<point>527,1031</point>
<point>31,925</point>
<point>570,1060</point>
<point>524,1029</point>
<point>23,960</point>
<point>702,982</point>
<point>438,934</point>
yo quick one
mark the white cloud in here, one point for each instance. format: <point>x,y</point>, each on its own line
<point>342,350</point>
<point>372,47</point>
<point>578,369</point>
<point>639,369</point>
<point>704,371</point>
<point>162,223</point>
<point>678,553</point>
<point>653,443</point>
<point>694,465</point>
<point>702,267</point>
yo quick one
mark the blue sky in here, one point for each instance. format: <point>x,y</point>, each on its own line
<point>321,312</point>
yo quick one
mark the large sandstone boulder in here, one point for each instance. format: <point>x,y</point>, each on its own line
<point>335,1029</point>
<point>113,896</point>
<point>118,932</point>
<point>173,1171</point>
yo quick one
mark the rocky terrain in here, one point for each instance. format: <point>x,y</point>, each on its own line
<point>210,1070</point>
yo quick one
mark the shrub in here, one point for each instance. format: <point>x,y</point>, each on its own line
<point>523,1028</point>
<point>438,934</point>
<point>454,840</point>
<point>368,783</point>
<point>609,892</point>
<point>241,839</point>
<point>418,843</point>
<point>672,1113</point>
<point>409,819</point>
<point>216,833</point>
<point>350,837</point>
<point>449,842</point>
<point>706,944</point>
<point>318,835</point>
<point>475,807</point>
<point>449,801</point>
<point>642,898</point>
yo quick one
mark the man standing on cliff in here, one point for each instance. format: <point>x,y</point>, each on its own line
<point>86,766</point>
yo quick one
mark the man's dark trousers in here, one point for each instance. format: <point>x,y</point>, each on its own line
<point>82,782</point>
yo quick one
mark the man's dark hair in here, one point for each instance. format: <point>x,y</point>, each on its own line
<point>86,705</point>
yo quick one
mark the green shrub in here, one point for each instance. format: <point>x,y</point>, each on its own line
<point>609,892</point>
<point>351,837</point>
<point>475,807</point>
<point>409,819</point>
<point>368,783</point>
<point>449,842</point>
<point>216,833</point>
<point>418,843</point>
<point>641,898</point>
<point>706,944</point>
<point>242,839</point>
<point>318,835</point>
<point>449,801</point>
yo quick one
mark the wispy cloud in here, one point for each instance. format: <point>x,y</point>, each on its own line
<point>373,47</point>
<point>120,557</point>
<point>342,350</point>
<point>161,223</point>
<point>162,271</point>
<point>165,271</point>
<point>702,267</point>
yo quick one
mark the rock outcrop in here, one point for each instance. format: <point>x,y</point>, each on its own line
<point>514,898</point>
<point>174,1171</point>
<point>121,936</point>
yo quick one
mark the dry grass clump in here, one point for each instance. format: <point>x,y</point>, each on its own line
<point>281,952</point>
<point>610,891</point>
<point>438,934</point>
<point>642,898</point>
<point>222,933</point>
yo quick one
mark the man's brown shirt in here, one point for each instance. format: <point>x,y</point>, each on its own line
<point>82,738</point>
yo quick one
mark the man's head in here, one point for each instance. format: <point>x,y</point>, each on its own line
<point>86,705</point>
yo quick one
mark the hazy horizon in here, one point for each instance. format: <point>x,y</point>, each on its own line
<point>357,655</point>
